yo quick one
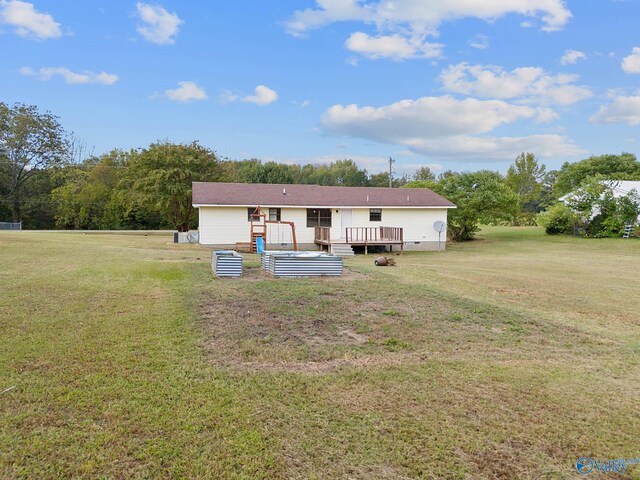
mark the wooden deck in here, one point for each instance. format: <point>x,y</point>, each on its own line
<point>362,236</point>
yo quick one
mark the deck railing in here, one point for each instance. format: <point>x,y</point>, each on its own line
<point>323,234</point>
<point>395,234</point>
<point>365,235</point>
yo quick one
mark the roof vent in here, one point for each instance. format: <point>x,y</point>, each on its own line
<point>367,198</point>
<point>408,199</point>
<point>284,191</point>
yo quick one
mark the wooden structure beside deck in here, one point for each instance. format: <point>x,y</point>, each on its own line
<point>362,237</point>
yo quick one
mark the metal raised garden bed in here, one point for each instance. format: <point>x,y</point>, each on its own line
<point>301,264</point>
<point>226,263</point>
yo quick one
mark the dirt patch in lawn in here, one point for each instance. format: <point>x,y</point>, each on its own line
<point>245,330</point>
<point>321,324</point>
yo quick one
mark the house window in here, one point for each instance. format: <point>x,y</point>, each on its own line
<point>252,211</point>
<point>318,217</point>
<point>375,214</point>
<point>274,214</point>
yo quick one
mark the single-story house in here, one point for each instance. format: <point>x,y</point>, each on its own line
<point>317,217</point>
<point>619,188</point>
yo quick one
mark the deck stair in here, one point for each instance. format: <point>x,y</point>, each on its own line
<point>627,230</point>
<point>342,250</point>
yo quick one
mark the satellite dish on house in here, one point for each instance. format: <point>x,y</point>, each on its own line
<point>439,226</point>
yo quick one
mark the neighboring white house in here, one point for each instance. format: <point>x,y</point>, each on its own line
<point>624,187</point>
<point>322,216</point>
<point>619,188</point>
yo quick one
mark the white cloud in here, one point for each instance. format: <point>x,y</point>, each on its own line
<point>71,77</point>
<point>27,21</point>
<point>413,167</point>
<point>445,127</point>
<point>570,57</point>
<point>227,96</point>
<point>631,64</point>
<point>529,84</point>
<point>623,109</point>
<point>481,42</point>
<point>186,92</point>
<point>545,115</point>
<point>425,117</point>
<point>158,25</point>
<point>395,47</point>
<point>420,16</point>
<point>496,148</point>
<point>263,96</point>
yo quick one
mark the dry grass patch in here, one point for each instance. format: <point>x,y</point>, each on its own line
<point>508,357</point>
<point>474,365</point>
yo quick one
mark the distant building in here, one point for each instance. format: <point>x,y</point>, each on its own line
<point>620,188</point>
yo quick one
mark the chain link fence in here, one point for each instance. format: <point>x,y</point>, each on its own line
<point>10,226</point>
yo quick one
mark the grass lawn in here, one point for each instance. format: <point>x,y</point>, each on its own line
<point>512,356</point>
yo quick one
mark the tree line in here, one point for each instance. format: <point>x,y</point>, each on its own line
<point>46,182</point>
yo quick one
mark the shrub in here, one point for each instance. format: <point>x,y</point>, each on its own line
<point>558,220</point>
<point>603,227</point>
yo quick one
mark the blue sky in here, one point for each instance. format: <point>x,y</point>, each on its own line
<point>453,84</point>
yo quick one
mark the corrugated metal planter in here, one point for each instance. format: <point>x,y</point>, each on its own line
<point>264,259</point>
<point>226,263</point>
<point>302,264</point>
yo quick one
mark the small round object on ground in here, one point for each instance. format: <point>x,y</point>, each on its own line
<point>381,261</point>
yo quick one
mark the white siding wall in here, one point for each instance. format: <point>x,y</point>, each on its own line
<point>223,225</point>
<point>228,225</point>
<point>417,222</point>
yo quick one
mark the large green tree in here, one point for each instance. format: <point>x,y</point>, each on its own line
<point>162,176</point>
<point>611,167</point>
<point>254,171</point>
<point>480,197</point>
<point>346,173</point>
<point>30,141</point>
<point>87,191</point>
<point>382,180</point>
<point>423,174</point>
<point>524,178</point>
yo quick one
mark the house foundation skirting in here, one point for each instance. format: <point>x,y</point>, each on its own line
<point>270,246</point>
<point>423,246</point>
<point>408,246</point>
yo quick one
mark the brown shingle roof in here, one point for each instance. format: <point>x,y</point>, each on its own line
<point>255,194</point>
